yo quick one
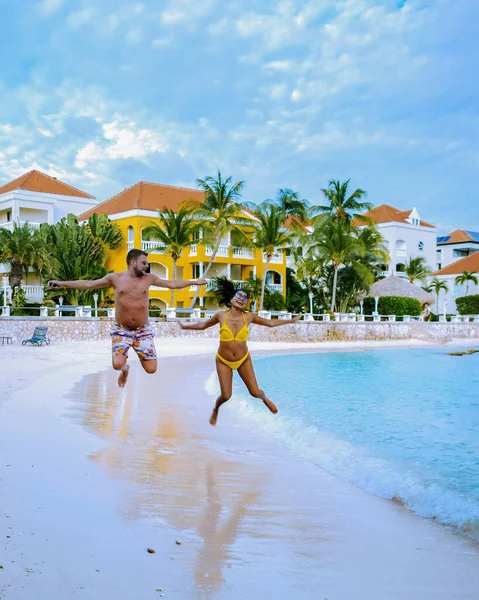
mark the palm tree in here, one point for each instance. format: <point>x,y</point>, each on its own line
<point>22,249</point>
<point>375,253</point>
<point>336,244</point>
<point>270,236</point>
<point>416,268</point>
<point>176,232</point>
<point>465,278</point>
<point>219,214</point>
<point>104,230</point>
<point>341,205</point>
<point>436,285</point>
<point>291,204</point>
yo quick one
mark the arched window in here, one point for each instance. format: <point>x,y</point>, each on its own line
<point>131,237</point>
<point>400,268</point>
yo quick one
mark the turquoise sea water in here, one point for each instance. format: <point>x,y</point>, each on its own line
<point>401,424</point>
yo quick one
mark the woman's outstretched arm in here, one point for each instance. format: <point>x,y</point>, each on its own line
<point>200,325</point>
<point>273,322</point>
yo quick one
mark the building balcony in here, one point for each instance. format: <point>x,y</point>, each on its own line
<point>194,250</point>
<point>239,252</point>
<point>153,247</point>
<point>223,251</point>
<point>9,225</point>
<point>401,252</point>
<point>275,287</point>
<point>277,258</point>
<point>33,293</point>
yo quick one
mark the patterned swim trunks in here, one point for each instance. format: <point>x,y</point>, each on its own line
<point>140,339</point>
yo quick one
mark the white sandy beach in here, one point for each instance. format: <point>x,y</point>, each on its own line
<point>92,476</point>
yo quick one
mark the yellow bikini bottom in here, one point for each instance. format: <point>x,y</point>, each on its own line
<point>233,365</point>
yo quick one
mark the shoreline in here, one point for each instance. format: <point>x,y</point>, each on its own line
<point>111,472</point>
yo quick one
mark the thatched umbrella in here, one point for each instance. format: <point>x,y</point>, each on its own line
<point>396,286</point>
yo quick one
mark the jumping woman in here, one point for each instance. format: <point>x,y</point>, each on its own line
<point>233,352</point>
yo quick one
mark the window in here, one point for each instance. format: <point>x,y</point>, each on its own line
<point>420,246</point>
<point>131,234</point>
<point>415,221</point>
<point>196,270</point>
<point>9,216</point>
<point>400,268</point>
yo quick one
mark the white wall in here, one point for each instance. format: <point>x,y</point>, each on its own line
<point>402,241</point>
<point>445,253</point>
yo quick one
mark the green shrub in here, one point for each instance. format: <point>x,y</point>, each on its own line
<point>393,305</point>
<point>468,305</point>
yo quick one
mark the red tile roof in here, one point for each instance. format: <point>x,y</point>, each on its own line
<point>385,213</point>
<point>145,196</point>
<point>35,181</point>
<point>456,237</point>
<point>468,263</point>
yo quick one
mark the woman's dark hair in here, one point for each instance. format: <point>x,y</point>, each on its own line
<point>223,290</point>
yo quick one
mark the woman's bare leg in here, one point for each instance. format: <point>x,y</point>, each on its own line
<point>246,372</point>
<point>225,376</point>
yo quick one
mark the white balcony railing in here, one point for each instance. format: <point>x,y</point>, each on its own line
<point>401,252</point>
<point>222,251</point>
<point>31,291</point>
<point>239,252</point>
<point>156,247</point>
<point>275,287</point>
<point>9,225</point>
<point>276,258</point>
<point>193,249</point>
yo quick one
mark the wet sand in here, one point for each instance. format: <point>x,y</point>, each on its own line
<point>92,476</point>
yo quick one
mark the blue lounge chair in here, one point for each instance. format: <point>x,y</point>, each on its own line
<point>39,336</point>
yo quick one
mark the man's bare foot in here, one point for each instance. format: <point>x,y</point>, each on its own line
<point>123,376</point>
<point>270,405</point>
<point>214,417</point>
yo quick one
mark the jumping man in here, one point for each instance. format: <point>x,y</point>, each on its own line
<point>131,328</point>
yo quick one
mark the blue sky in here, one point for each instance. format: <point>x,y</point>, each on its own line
<point>284,93</point>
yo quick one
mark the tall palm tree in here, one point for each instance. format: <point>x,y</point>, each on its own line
<point>176,232</point>
<point>466,277</point>
<point>23,248</point>
<point>219,214</point>
<point>291,204</point>
<point>336,244</point>
<point>341,205</point>
<point>269,236</point>
<point>416,268</point>
<point>375,253</point>
<point>436,285</point>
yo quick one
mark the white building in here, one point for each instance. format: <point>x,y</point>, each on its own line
<point>455,245</point>
<point>37,198</point>
<point>447,300</point>
<point>405,236</point>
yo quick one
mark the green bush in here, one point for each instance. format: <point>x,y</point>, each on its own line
<point>468,305</point>
<point>393,305</point>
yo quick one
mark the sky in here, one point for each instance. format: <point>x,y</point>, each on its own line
<point>288,93</point>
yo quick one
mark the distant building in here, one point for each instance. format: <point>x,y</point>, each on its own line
<point>37,198</point>
<point>449,273</point>
<point>136,207</point>
<point>456,245</point>
<point>405,236</point>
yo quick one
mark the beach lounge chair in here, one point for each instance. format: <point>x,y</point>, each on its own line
<point>39,336</point>
<point>5,339</point>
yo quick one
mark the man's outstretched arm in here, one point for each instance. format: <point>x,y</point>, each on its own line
<point>176,284</point>
<point>83,284</point>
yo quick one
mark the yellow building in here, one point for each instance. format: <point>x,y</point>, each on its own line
<point>137,207</point>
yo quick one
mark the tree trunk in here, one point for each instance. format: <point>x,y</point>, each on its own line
<point>15,277</point>
<point>263,283</point>
<point>335,283</point>
<point>172,295</point>
<point>206,272</point>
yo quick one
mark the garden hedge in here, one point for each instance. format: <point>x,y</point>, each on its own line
<point>468,305</point>
<point>393,305</point>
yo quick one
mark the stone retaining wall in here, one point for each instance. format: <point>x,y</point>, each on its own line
<point>82,329</point>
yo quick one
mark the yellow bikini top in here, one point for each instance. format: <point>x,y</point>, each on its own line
<point>226,335</point>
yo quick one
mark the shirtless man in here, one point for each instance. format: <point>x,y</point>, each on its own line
<point>131,328</point>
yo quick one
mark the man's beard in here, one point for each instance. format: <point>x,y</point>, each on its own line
<point>139,273</point>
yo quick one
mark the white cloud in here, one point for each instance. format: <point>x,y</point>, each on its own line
<point>134,36</point>
<point>186,11</point>
<point>160,42</point>
<point>125,14</point>
<point>50,7</point>
<point>78,19</point>
<point>122,139</point>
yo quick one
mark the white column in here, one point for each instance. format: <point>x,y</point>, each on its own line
<point>228,270</point>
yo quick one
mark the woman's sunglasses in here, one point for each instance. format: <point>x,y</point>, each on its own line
<point>241,296</point>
